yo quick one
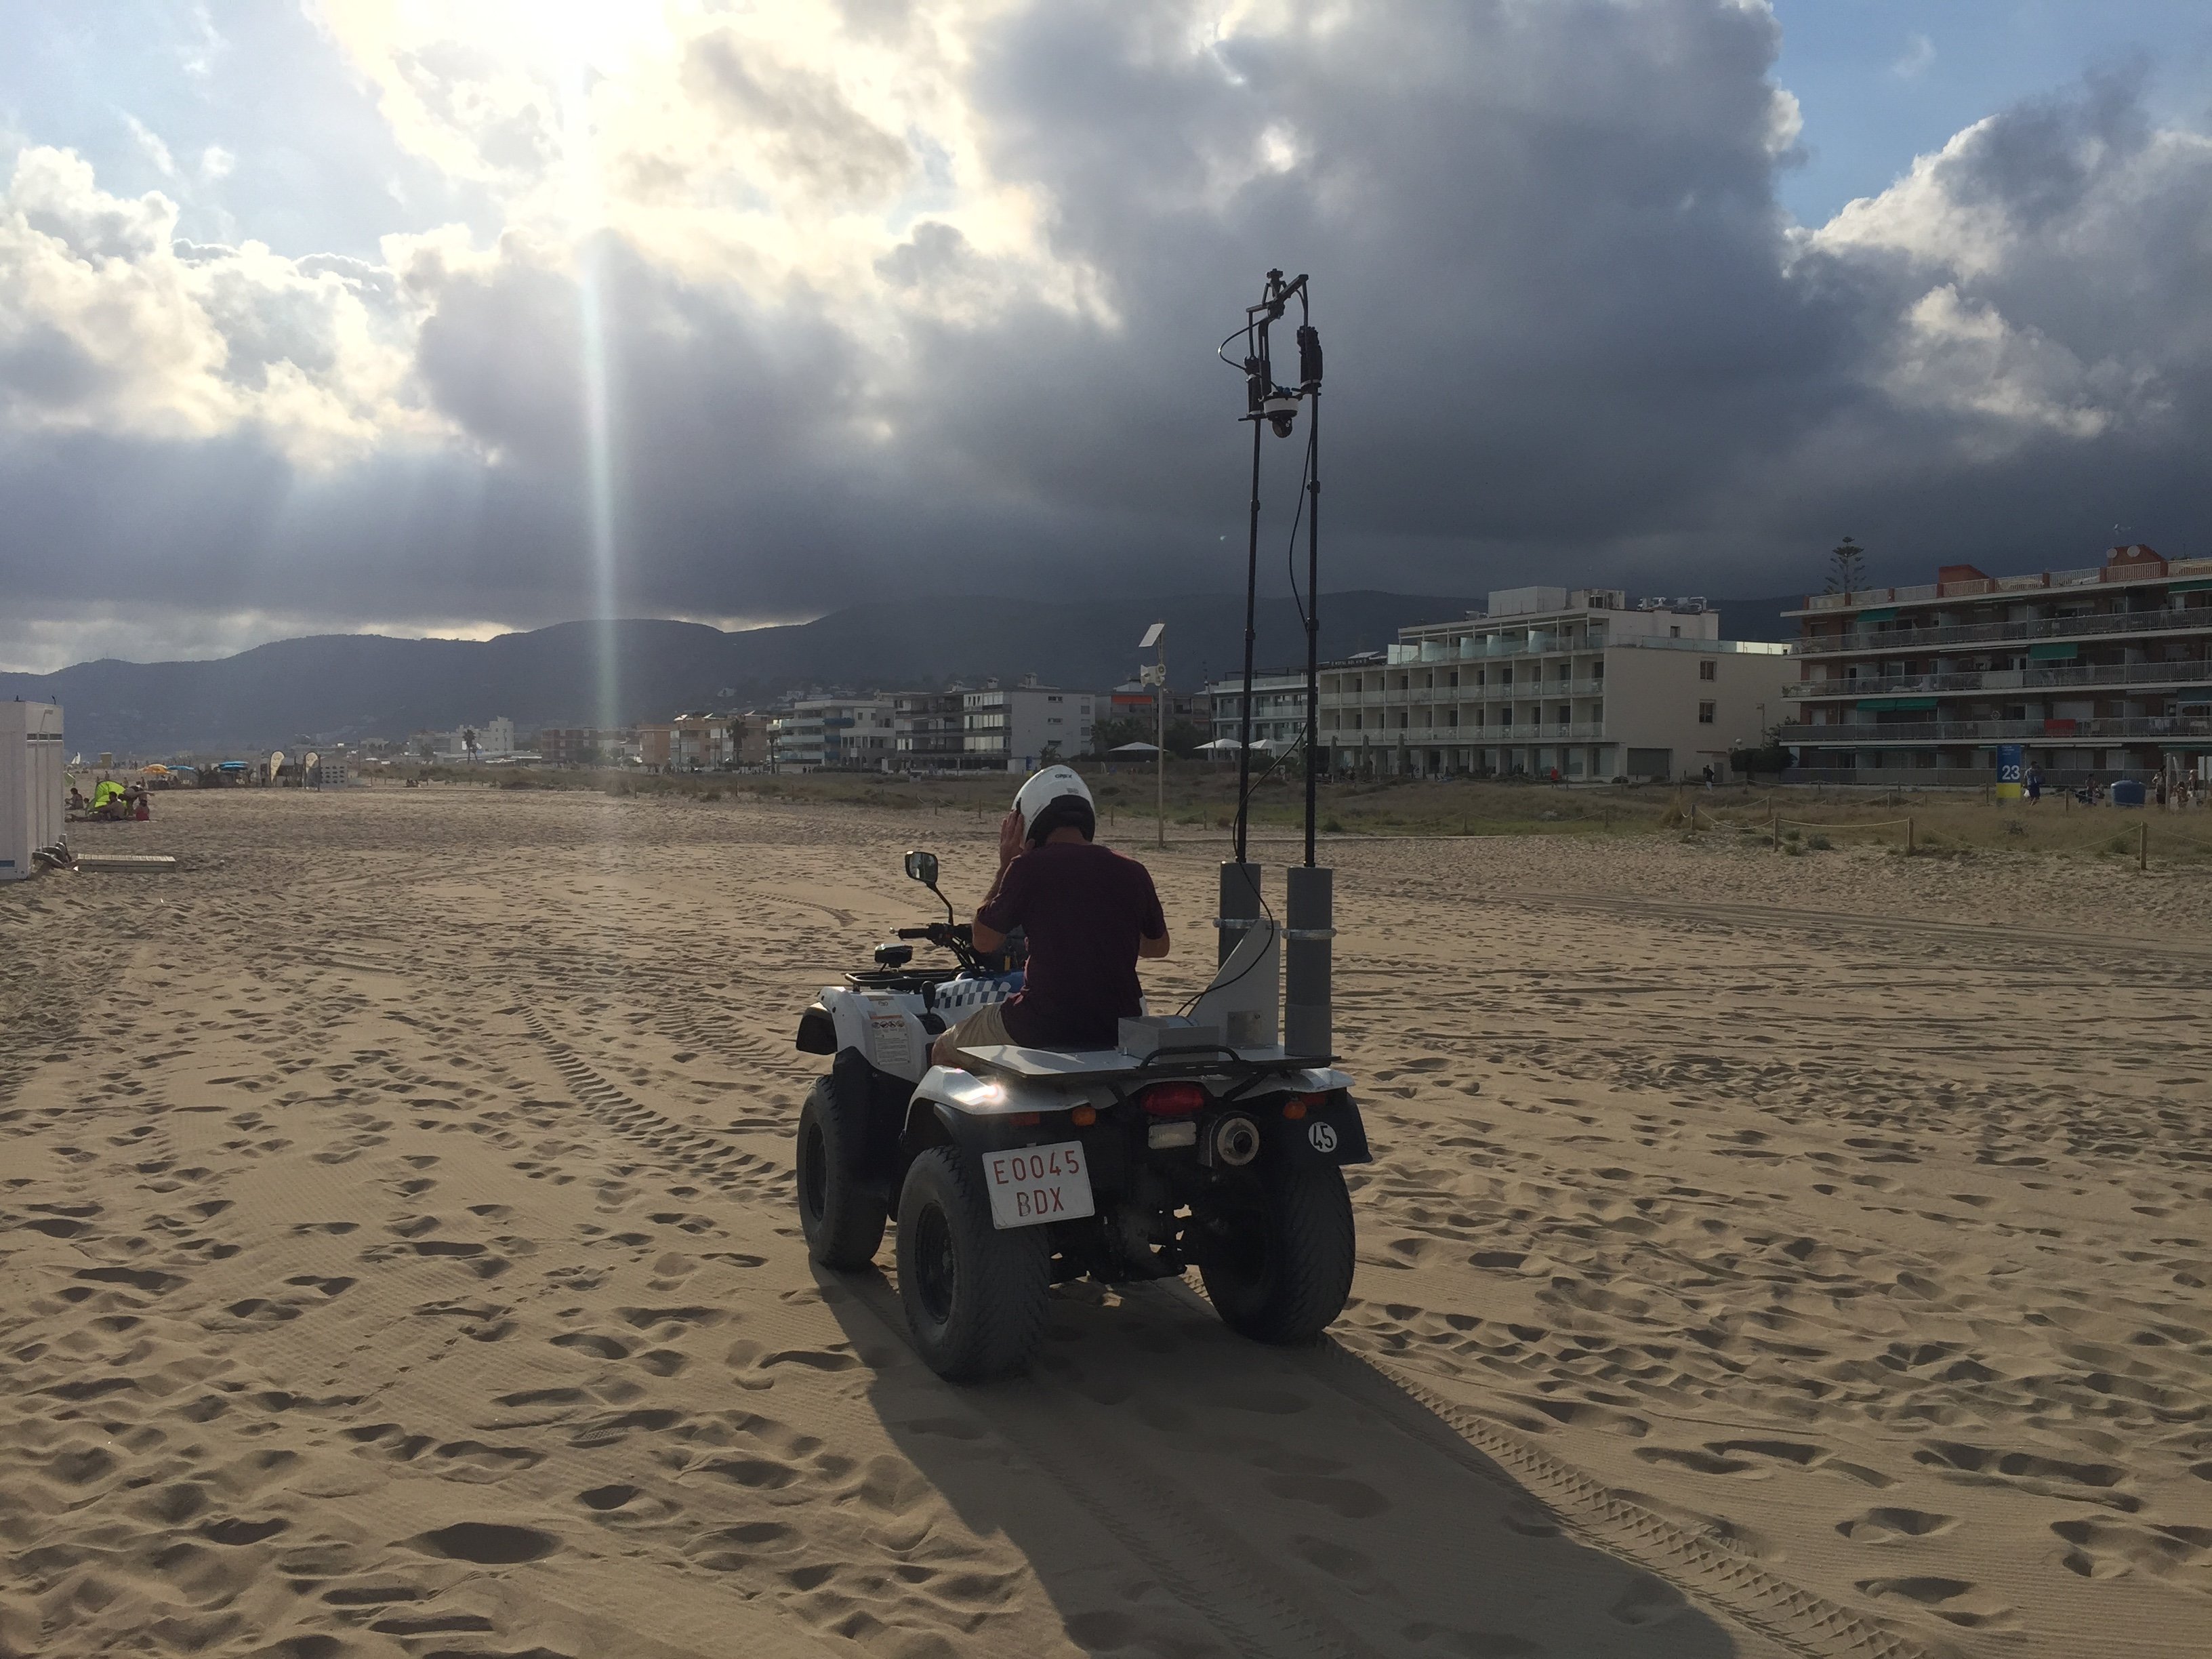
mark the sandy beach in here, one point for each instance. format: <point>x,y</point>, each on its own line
<point>1763,1255</point>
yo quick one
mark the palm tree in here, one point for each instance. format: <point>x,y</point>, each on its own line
<point>469,742</point>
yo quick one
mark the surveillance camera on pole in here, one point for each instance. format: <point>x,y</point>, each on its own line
<point>1155,674</point>
<point>1310,909</point>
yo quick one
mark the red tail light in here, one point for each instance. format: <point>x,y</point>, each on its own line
<point>1173,1099</point>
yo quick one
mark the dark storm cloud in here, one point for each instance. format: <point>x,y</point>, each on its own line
<point>1570,334</point>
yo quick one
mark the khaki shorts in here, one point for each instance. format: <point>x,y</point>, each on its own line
<point>982,1029</point>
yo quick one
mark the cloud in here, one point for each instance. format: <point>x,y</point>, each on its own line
<point>151,143</point>
<point>110,323</point>
<point>839,299</point>
<point>1916,59</point>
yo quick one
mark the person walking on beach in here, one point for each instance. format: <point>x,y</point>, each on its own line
<point>1089,915</point>
<point>2035,783</point>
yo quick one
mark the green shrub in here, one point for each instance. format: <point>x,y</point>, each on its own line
<point>1819,843</point>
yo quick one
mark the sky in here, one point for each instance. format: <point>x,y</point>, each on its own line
<point>456,316</point>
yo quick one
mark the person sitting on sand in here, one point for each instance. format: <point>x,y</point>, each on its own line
<point>1088,913</point>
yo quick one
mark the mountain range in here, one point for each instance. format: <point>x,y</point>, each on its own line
<point>349,687</point>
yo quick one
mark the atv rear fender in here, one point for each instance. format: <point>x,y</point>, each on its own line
<point>988,1113</point>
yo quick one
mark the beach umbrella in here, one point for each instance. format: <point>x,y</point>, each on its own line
<point>1133,749</point>
<point>1220,745</point>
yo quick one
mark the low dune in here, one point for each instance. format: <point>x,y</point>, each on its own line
<point>1763,1255</point>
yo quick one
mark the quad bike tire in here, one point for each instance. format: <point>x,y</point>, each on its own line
<point>1287,1277</point>
<point>842,1218</point>
<point>975,1297</point>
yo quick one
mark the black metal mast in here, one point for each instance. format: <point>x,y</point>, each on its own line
<point>1310,388</point>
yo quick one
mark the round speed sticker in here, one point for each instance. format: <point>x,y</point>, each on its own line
<point>1323,1136</point>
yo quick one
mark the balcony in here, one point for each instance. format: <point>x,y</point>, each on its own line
<point>2197,672</point>
<point>1472,736</point>
<point>1860,642</point>
<point>2164,728</point>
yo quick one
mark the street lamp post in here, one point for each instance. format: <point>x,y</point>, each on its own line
<point>1157,673</point>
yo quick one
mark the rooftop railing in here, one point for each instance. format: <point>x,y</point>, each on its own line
<point>2095,576</point>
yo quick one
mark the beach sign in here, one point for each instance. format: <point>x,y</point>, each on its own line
<point>2009,771</point>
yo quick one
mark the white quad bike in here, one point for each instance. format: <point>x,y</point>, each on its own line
<point>1173,1149</point>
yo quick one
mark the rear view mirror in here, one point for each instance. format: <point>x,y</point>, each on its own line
<point>921,867</point>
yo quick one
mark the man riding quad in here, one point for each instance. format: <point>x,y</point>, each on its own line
<point>1088,913</point>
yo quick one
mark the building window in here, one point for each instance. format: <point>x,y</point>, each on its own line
<point>1708,669</point>
<point>1704,714</point>
<point>1673,632</point>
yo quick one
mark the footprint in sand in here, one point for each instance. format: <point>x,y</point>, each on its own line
<point>1890,1526</point>
<point>1955,1600</point>
<point>487,1543</point>
<point>1355,1500</point>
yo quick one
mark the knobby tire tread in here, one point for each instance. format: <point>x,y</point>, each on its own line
<point>1308,1215</point>
<point>850,1229</point>
<point>999,1315</point>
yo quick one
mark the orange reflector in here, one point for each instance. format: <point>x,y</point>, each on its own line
<point>1083,1116</point>
<point>1298,1105</point>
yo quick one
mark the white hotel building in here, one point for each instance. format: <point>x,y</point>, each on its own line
<point>1540,678</point>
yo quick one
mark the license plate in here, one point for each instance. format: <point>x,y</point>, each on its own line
<point>1034,1184</point>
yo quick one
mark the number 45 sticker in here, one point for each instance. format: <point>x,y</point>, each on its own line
<point>1322,1135</point>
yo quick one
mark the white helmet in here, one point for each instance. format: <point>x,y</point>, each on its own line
<point>1038,796</point>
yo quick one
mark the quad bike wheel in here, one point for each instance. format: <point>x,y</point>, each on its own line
<point>975,1297</point>
<point>1278,1267</point>
<point>842,1219</point>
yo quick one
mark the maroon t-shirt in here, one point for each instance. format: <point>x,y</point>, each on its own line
<point>1083,908</point>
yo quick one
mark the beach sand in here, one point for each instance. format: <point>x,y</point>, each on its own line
<point>1763,1255</point>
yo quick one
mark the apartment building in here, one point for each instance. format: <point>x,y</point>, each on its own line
<point>928,734</point>
<point>842,733</point>
<point>1546,679</point>
<point>1278,708</point>
<point>1019,728</point>
<point>585,746</point>
<point>704,743</point>
<point>656,741</point>
<point>493,740</point>
<point>2101,672</point>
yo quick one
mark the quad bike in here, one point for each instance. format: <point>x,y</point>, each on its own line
<point>1188,1144</point>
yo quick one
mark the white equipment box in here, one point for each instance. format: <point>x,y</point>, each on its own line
<point>32,790</point>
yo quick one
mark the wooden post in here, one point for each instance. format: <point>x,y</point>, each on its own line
<point>1773,829</point>
<point>2143,845</point>
<point>1908,833</point>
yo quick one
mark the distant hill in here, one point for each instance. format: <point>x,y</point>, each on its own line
<point>348,687</point>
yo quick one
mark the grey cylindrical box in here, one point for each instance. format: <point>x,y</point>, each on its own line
<point>1309,925</point>
<point>1240,904</point>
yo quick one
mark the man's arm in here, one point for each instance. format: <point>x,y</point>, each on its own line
<point>1012,830</point>
<point>1153,925</point>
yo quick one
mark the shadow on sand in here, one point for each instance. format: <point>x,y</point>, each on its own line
<point>1180,1492</point>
